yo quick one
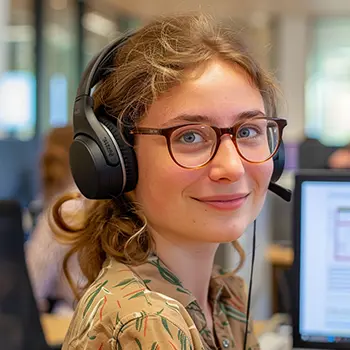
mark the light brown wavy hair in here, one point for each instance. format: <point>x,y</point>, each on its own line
<point>161,55</point>
<point>55,173</point>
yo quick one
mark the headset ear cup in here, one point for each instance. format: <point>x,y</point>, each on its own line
<point>92,175</point>
<point>127,153</point>
<point>278,163</point>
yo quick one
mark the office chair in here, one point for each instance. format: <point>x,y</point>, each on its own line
<point>20,327</point>
<point>314,155</point>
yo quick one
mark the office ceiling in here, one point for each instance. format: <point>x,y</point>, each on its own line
<point>226,8</point>
<point>146,9</point>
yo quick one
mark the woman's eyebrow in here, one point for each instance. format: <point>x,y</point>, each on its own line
<point>199,118</point>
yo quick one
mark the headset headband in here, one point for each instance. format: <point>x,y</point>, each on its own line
<point>97,67</point>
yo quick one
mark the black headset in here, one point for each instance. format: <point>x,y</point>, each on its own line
<point>102,162</point>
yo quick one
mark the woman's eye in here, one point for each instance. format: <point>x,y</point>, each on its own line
<point>247,132</point>
<point>191,137</point>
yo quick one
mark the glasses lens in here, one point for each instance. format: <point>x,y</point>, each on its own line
<point>258,139</point>
<point>193,145</point>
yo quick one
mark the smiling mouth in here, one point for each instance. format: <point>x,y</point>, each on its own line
<point>224,202</point>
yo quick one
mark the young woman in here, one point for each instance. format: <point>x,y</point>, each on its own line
<point>202,115</point>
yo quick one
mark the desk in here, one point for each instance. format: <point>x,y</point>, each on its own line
<point>280,258</point>
<point>55,327</point>
<point>259,327</point>
<point>270,325</point>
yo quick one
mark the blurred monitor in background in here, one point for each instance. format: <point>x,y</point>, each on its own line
<point>20,326</point>
<point>17,101</point>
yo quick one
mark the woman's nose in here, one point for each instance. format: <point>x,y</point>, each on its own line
<point>227,164</point>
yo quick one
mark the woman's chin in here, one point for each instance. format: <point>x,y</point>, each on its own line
<point>223,235</point>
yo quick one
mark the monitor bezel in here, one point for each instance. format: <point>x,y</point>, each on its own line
<point>301,177</point>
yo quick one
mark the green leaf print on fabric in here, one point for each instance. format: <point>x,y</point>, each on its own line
<point>159,312</point>
<point>88,322</point>
<point>194,308</point>
<point>205,331</point>
<point>139,322</point>
<point>130,281</point>
<point>233,313</point>
<point>138,344</point>
<point>184,342</point>
<point>117,318</point>
<point>142,293</point>
<point>166,326</point>
<point>154,346</point>
<point>223,271</point>
<point>173,307</point>
<point>125,282</point>
<point>168,275</point>
<point>93,295</point>
<point>183,290</point>
<point>138,293</point>
<point>165,273</point>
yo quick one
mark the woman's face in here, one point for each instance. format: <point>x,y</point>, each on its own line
<point>214,203</point>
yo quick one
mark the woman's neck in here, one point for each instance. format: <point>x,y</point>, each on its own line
<point>191,263</point>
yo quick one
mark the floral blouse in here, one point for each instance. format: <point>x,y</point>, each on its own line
<point>146,307</point>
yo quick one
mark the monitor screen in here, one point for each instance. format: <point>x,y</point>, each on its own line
<point>17,101</point>
<point>324,294</point>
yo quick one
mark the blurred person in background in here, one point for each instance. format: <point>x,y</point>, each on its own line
<point>54,165</point>
<point>340,159</point>
<point>44,254</point>
<point>55,175</point>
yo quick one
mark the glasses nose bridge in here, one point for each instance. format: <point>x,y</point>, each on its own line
<point>231,131</point>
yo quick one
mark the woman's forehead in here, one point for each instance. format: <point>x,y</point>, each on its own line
<point>221,93</point>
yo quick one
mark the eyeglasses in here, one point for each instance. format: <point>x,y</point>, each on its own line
<point>195,145</point>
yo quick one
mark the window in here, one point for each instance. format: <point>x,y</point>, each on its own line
<point>103,24</point>
<point>327,100</point>
<point>17,79</point>
<point>99,30</point>
<point>61,65</point>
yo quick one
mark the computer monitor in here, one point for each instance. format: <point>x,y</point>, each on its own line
<point>20,327</point>
<point>321,270</point>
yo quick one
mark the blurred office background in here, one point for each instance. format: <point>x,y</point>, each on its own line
<point>45,45</point>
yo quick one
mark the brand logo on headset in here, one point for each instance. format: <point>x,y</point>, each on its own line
<point>108,147</point>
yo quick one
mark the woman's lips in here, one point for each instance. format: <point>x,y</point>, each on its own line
<point>225,202</point>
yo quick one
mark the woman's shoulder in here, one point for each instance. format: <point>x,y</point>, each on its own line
<point>118,298</point>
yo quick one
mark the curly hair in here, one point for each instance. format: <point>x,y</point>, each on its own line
<point>159,56</point>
